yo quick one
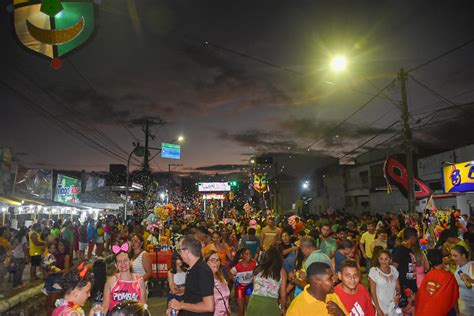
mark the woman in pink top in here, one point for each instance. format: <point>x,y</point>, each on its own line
<point>221,289</point>
<point>124,285</point>
<point>77,286</point>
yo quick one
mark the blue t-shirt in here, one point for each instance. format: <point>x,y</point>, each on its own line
<point>339,258</point>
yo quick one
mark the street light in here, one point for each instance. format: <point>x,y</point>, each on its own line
<point>305,185</point>
<point>180,139</point>
<point>339,63</point>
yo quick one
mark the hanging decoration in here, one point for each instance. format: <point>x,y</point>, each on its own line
<point>53,28</point>
<point>396,173</point>
<point>260,182</point>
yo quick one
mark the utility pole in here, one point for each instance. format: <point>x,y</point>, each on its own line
<point>146,165</point>
<point>407,142</point>
<point>169,174</point>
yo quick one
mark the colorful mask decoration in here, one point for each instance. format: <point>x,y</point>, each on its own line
<point>260,183</point>
<point>396,173</point>
<point>53,28</point>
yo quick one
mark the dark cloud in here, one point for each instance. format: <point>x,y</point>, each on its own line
<point>444,133</point>
<point>109,109</point>
<point>21,154</point>
<point>259,140</point>
<point>219,68</point>
<point>222,167</point>
<point>328,130</point>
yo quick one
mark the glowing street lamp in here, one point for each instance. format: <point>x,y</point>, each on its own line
<point>339,63</point>
<point>180,139</point>
<point>305,185</point>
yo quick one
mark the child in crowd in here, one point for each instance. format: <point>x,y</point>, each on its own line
<point>77,286</point>
<point>49,265</point>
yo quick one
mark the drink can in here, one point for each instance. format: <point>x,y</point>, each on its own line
<point>174,312</point>
<point>98,310</point>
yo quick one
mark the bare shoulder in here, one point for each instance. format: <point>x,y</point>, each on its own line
<point>111,279</point>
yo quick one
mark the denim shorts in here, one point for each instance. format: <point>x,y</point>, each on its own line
<point>50,281</point>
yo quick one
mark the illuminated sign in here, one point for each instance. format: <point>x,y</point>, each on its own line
<point>459,177</point>
<point>171,151</point>
<point>67,189</point>
<point>213,186</point>
<point>213,196</point>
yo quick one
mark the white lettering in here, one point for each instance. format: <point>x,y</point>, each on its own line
<point>125,296</point>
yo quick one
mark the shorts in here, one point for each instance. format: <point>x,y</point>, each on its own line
<point>243,290</point>
<point>35,261</point>
<point>82,246</point>
<point>91,246</point>
<point>50,281</point>
<point>107,236</point>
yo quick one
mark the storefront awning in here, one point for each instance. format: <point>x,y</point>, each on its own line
<point>10,201</point>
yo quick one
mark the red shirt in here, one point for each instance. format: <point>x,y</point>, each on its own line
<point>358,304</point>
<point>438,286</point>
<point>244,275</point>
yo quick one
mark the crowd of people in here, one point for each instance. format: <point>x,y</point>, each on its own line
<point>253,264</point>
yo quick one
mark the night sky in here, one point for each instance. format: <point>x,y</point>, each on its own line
<point>238,78</point>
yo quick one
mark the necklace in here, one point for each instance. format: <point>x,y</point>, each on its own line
<point>70,305</point>
<point>75,307</point>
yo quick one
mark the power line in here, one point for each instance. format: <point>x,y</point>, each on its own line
<point>48,115</point>
<point>387,140</point>
<point>373,96</point>
<point>442,55</point>
<point>444,109</point>
<point>252,58</point>
<point>438,95</point>
<point>91,87</point>
<point>450,98</point>
<point>370,139</point>
<point>433,123</point>
<point>76,118</point>
<point>360,108</point>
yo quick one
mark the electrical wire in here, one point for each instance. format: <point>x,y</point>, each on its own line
<point>442,98</point>
<point>370,139</point>
<point>91,87</point>
<point>450,98</point>
<point>442,55</point>
<point>360,108</point>
<point>433,113</point>
<point>66,128</point>
<point>96,134</point>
